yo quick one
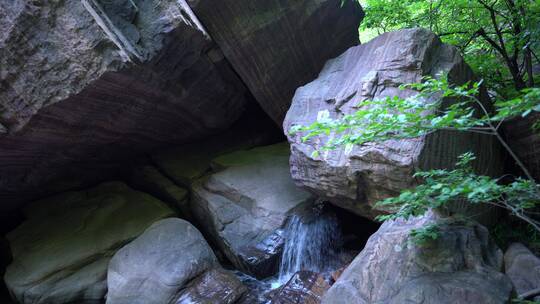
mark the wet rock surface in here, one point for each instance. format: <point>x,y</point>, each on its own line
<point>244,203</point>
<point>277,46</point>
<point>214,286</point>
<point>462,265</point>
<point>156,266</point>
<point>523,268</point>
<point>358,178</point>
<point>61,251</point>
<point>304,287</point>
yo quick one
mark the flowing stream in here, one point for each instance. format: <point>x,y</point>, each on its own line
<point>312,242</point>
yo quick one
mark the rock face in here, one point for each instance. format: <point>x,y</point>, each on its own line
<point>147,178</point>
<point>245,202</point>
<point>525,142</point>
<point>276,46</point>
<point>304,287</point>
<point>61,252</point>
<point>5,259</point>
<point>156,267</point>
<point>186,163</point>
<point>99,80</point>
<point>214,286</point>
<point>461,266</point>
<point>357,179</point>
<point>523,268</point>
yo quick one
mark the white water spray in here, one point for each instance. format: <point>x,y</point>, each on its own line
<point>311,243</point>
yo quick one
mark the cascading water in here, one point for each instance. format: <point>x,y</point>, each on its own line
<point>321,239</point>
<point>312,243</point>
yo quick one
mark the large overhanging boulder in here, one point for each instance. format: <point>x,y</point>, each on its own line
<point>357,179</point>
<point>276,46</point>
<point>84,84</point>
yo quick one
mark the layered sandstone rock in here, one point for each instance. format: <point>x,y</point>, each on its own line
<point>277,46</point>
<point>61,252</point>
<point>244,203</point>
<point>525,141</point>
<point>463,265</point>
<point>85,84</point>
<point>358,178</point>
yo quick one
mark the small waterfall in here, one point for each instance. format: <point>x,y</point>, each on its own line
<point>311,243</point>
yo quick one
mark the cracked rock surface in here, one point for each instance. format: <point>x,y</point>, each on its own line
<point>359,177</point>
<point>245,202</point>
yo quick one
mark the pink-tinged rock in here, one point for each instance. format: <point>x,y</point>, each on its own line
<point>277,46</point>
<point>86,84</point>
<point>359,177</point>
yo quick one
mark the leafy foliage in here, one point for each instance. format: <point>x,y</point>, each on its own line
<point>509,230</point>
<point>396,118</point>
<point>426,112</point>
<point>421,114</point>
<point>424,235</point>
<point>442,187</point>
<point>489,33</point>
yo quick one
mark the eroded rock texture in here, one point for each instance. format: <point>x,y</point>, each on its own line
<point>358,178</point>
<point>244,203</point>
<point>463,265</point>
<point>61,252</point>
<point>84,84</point>
<point>214,286</point>
<point>523,268</point>
<point>277,46</point>
<point>169,263</point>
<point>304,287</point>
<point>525,142</point>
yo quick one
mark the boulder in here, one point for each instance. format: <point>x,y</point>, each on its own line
<point>358,178</point>
<point>61,252</point>
<point>186,163</point>
<point>149,179</point>
<point>214,286</point>
<point>523,268</point>
<point>304,287</point>
<point>244,203</point>
<point>86,84</point>
<point>169,263</point>
<point>276,46</point>
<point>463,265</point>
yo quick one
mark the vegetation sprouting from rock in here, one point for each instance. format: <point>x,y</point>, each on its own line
<point>439,106</point>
